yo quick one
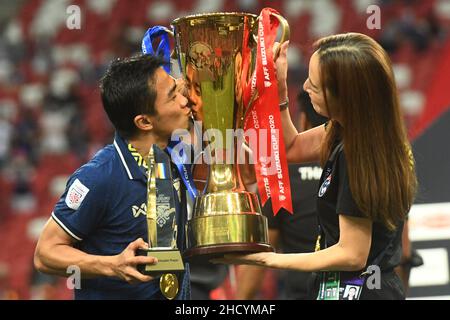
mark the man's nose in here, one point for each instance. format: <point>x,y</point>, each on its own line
<point>180,83</point>
<point>184,101</point>
<point>183,88</point>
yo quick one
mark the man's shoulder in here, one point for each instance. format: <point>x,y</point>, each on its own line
<point>101,167</point>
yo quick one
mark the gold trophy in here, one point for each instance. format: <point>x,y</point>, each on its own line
<point>209,47</point>
<point>161,223</point>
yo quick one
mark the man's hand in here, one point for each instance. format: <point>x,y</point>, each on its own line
<point>126,262</point>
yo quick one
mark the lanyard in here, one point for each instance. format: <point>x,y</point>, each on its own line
<point>179,158</point>
<point>163,46</point>
<point>183,167</point>
<point>336,285</point>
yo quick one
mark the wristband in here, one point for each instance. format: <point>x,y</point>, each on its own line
<point>284,105</point>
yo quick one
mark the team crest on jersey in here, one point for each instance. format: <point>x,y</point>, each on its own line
<point>76,194</point>
<point>324,186</point>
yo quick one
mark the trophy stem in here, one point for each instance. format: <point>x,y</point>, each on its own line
<point>223,177</point>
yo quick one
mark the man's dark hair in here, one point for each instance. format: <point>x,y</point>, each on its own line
<point>128,89</point>
<point>305,105</point>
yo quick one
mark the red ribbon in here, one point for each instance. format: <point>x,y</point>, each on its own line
<point>264,116</point>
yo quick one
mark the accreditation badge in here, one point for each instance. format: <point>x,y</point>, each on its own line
<point>351,286</point>
<point>329,286</point>
<point>335,285</point>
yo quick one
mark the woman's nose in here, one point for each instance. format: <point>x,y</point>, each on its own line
<point>305,85</point>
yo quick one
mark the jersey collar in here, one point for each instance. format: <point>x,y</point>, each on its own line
<point>129,163</point>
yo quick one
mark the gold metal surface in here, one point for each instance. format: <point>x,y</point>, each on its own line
<point>228,228</point>
<point>226,202</point>
<point>151,200</point>
<point>210,51</point>
<point>211,44</point>
<point>285,30</point>
<point>169,286</point>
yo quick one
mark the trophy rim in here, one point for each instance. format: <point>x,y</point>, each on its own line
<point>212,14</point>
<point>206,253</point>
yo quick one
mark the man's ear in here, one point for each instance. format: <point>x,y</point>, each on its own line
<point>143,122</point>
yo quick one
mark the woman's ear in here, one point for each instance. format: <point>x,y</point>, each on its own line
<point>143,122</point>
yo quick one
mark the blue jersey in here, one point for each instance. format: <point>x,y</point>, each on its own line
<point>104,209</point>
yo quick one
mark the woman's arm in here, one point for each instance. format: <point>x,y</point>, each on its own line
<point>303,147</point>
<point>349,254</point>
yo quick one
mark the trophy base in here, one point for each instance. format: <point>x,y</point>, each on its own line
<point>169,261</point>
<point>214,236</point>
<point>207,253</point>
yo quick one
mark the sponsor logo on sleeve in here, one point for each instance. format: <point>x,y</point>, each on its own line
<point>76,194</point>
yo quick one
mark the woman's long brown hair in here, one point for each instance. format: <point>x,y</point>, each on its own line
<point>362,100</point>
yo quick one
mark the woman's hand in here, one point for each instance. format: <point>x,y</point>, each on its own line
<point>263,259</point>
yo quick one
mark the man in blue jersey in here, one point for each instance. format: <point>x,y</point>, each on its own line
<point>99,222</point>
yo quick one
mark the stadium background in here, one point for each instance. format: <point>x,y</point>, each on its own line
<point>52,121</point>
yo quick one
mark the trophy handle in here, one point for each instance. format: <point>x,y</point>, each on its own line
<point>285,35</point>
<point>285,31</point>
